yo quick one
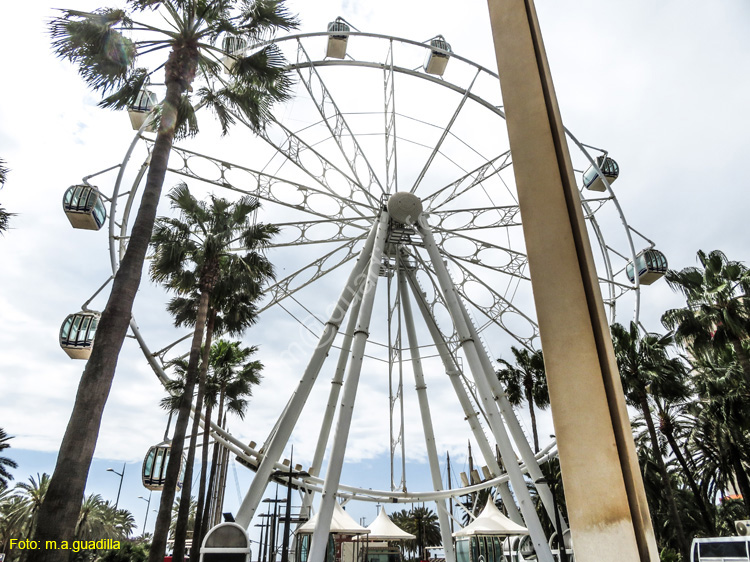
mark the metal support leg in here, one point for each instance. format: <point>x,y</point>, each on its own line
<point>361,333</point>
<point>511,421</point>
<point>289,419</point>
<point>333,397</point>
<point>424,410</point>
<point>485,394</point>
<point>453,372</point>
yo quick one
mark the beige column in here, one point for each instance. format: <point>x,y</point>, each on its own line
<point>607,508</point>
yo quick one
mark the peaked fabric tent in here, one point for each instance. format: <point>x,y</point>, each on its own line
<point>383,529</point>
<point>341,523</point>
<point>491,522</point>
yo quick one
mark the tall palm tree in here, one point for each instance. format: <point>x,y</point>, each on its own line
<point>98,43</point>
<point>421,522</point>
<point>32,495</point>
<point>718,308</point>
<point>190,252</point>
<point>526,380</point>
<point>234,373</point>
<point>646,368</point>
<point>5,462</point>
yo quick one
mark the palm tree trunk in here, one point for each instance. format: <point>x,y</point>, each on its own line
<point>59,511</point>
<point>161,530</point>
<point>209,492</point>
<point>697,494</point>
<point>219,452</point>
<point>668,492</point>
<point>197,537</point>
<point>532,413</point>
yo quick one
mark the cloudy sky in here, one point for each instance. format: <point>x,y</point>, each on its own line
<point>661,86</point>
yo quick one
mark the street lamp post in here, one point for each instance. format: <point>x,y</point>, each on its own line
<point>121,475</point>
<point>148,505</point>
<point>562,551</point>
<point>288,513</point>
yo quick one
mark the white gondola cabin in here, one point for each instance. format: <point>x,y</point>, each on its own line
<point>154,471</point>
<point>593,181</point>
<point>651,266</point>
<point>339,35</point>
<point>234,47</point>
<point>84,207</point>
<point>77,334</point>
<point>138,112</point>
<point>437,60</point>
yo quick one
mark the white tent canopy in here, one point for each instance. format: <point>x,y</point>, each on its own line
<point>491,522</point>
<point>341,523</point>
<point>383,529</point>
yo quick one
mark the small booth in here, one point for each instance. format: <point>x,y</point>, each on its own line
<point>339,35</point>
<point>438,56</point>
<point>344,538</point>
<point>145,102</point>
<point>593,181</point>
<point>491,537</point>
<point>84,207</point>
<point>227,542</point>
<point>154,470</point>
<point>77,334</point>
<point>651,265</point>
<point>384,538</point>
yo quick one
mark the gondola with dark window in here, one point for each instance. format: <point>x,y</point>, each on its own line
<point>610,170</point>
<point>77,334</point>
<point>84,207</point>
<point>438,57</point>
<point>650,265</point>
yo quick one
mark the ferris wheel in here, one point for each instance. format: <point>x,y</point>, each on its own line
<point>391,177</point>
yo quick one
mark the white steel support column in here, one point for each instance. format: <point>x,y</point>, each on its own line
<point>485,394</point>
<point>333,396</point>
<point>361,334</point>
<point>292,412</point>
<point>424,410</point>
<point>511,421</point>
<point>453,372</point>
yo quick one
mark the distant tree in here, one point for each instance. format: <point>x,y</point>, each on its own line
<point>5,462</point>
<point>526,380</point>
<point>4,215</point>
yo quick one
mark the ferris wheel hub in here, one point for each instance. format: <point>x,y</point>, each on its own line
<point>405,207</point>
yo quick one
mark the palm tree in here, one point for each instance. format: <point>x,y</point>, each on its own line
<point>718,309</point>
<point>31,495</point>
<point>5,462</point>
<point>526,380</point>
<point>234,374</point>
<point>190,253</point>
<point>105,57</point>
<point>645,369</point>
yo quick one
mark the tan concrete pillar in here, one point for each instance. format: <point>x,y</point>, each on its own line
<point>609,517</point>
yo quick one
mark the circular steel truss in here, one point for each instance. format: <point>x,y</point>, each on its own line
<point>358,130</point>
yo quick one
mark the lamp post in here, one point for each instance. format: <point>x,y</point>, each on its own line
<point>121,475</point>
<point>552,483</point>
<point>148,505</point>
<point>288,513</point>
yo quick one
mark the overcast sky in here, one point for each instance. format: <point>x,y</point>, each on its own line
<point>661,86</point>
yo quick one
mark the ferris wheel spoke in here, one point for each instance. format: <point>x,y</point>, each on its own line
<point>467,182</point>
<point>264,186</point>
<point>478,218</point>
<point>304,231</point>
<point>515,262</point>
<point>391,160</point>
<point>311,272</point>
<point>496,309</point>
<point>292,147</point>
<point>329,111</point>
<point>446,131</point>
